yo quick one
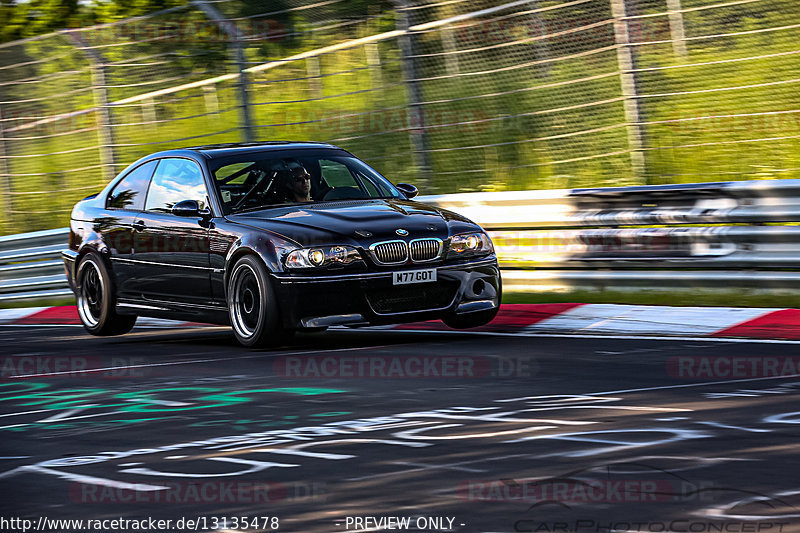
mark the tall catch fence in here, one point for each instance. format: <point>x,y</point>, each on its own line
<point>452,95</point>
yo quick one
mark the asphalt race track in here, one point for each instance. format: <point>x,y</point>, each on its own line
<point>450,431</point>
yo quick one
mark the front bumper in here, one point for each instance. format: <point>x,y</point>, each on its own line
<point>372,299</point>
<point>70,257</point>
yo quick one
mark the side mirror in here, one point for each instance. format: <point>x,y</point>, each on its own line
<point>409,190</point>
<point>189,208</point>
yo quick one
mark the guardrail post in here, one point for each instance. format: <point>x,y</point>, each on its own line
<point>105,132</point>
<point>237,55</point>
<point>449,46</point>
<point>415,116</point>
<point>149,113</point>
<point>5,181</point>
<point>677,29</point>
<point>210,98</point>
<point>314,72</point>
<point>626,60</point>
<point>244,94</point>
<point>105,119</point>
<point>374,62</point>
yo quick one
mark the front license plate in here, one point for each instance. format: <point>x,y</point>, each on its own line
<point>414,276</point>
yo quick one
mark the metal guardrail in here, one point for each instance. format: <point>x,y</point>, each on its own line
<point>31,266</point>
<point>708,236</point>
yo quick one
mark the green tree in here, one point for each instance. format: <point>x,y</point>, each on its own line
<point>26,19</point>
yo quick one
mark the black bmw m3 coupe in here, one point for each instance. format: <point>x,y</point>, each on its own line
<point>271,238</point>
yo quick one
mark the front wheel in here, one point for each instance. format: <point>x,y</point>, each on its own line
<point>96,300</point>
<point>252,305</point>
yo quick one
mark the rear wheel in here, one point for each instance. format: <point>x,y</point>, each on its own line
<point>252,305</point>
<point>96,300</point>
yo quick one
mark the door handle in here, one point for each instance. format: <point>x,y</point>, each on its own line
<point>138,225</point>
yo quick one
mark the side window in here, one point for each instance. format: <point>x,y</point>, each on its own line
<point>130,192</point>
<point>336,174</point>
<point>176,180</point>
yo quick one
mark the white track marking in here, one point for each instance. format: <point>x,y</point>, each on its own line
<point>612,318</point>
<point>10,315</point>
<point>27,412</point>
<point>419,466</point>
<point>92,480</point>
<point>63,417</point>
<point>448,465</point>
<point>255,466</point>
<point>691,385</point>
<point>229,438</point>
<point>166,403</point>
<point>601,336</point>
<point>726,426</point>
<point>314,455</point>
<point>64,414</point>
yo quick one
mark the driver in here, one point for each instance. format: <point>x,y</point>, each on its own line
<point>294,182</point>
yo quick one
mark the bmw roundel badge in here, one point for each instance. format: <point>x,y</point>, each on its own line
<point>401,231</point>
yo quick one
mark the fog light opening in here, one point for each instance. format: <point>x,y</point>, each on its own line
<point>479,286</point>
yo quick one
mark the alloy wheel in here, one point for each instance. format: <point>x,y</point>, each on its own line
<point>91,294</point>
<point>246,300</point>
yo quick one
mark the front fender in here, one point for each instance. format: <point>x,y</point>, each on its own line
<point>267,247</point>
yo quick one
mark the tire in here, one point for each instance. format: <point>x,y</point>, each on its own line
<point>471,320</point>
<point>252,306</point>
<point>97,301</point>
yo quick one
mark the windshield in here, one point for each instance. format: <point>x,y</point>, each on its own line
<point>267,179</point>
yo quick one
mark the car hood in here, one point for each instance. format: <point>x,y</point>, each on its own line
<point>359,222</point>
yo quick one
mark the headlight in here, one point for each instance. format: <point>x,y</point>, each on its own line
<point>321,256</point>
<point>470,244</point>
<point>317,257</point>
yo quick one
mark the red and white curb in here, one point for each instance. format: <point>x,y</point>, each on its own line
<point>67,315</point>
<point>566,318</point>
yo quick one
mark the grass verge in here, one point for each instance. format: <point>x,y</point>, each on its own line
<point>41,302</point>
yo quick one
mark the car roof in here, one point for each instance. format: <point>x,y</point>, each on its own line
<point>214,151</point>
